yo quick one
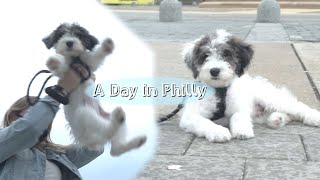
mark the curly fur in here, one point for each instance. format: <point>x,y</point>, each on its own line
<point>220,60</point>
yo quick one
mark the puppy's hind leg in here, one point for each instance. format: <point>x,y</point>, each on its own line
<point>91,129</point>
<point>281,100</point>
<point>277,120</point>
<point>119,145</point>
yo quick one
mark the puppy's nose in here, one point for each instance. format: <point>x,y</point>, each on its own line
<point>214,72</point>
<point>69,44</point>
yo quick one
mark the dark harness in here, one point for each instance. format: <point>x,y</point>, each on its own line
<point>221,105</point>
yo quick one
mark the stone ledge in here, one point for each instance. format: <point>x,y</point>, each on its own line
<point>254,4</point>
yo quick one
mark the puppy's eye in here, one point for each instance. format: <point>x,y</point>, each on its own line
<point>227,53</point>
<point>204,58</point>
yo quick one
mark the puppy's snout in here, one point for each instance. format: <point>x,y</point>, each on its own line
<point>69,44</point>
<point>214,72</point>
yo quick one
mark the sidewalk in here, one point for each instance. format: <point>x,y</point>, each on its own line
<point>283,55</point>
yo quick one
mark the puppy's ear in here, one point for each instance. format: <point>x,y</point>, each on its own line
<point>194,54</point>
<point>49,41</point>
<point>244,54</point>
<point>89,41</point>
<point>187,56</point>
<point>52,38</point>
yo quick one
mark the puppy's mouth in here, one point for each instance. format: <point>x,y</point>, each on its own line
<point>215,78</point>
<point>69,48</point>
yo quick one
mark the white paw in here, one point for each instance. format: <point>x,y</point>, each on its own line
<point>108,45</point>
<point>242,132</point>
<point>118,116</point>
<point>218,134</point>
<point>312,118</point>
<point>55,62</point>
<point>277,120</point>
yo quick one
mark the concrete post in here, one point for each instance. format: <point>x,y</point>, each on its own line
<point>268,11</point>
<point>170,11</point>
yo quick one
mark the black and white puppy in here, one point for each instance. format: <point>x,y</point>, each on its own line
<point>90,125</point>
<point>219,60</point>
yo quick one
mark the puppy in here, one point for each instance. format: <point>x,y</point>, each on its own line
<point>219,60</point>
<point>89,124</point>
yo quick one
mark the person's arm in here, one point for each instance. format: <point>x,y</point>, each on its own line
<point>81,155</point>
<point>25,132</point>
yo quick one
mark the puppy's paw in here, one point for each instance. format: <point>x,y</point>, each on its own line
<point>312,118</point>
<point>118,115</point>
<point>53,63</point>
<point>56,64</point>
<point>118,149</point>
<point>242,132</point>
<point>218,134</point>
<point>277,120</point>
<point>139,141</point>
<point>108,45</point>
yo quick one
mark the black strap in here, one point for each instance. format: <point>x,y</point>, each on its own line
<point>76,60</point>
<point>43,85</point>
<point>55,91</point>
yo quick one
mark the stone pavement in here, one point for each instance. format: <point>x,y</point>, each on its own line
<point>283,54</point>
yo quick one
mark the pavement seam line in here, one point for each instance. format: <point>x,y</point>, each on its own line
<point>250,31</point>
<point>246,157</point>
<point>304,148</point>
<point>244,169</point>
<point>192,140</point>
<point>314,87</point>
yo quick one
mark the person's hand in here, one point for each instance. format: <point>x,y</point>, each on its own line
<point>71,79</point>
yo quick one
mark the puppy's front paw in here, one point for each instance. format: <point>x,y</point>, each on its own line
<point>118,115</point>
<point>242,132</point>
<point>108,45</point>
<point>56,64</point>
<point>53,63</point>
<point>218,134</point>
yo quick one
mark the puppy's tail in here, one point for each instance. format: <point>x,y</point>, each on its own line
<point>174,112</point>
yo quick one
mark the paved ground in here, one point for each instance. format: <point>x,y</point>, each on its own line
<point>283,54</point>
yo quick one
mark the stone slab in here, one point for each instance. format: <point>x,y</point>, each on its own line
<point>173,141</point>
<point>271,146</point>
<point>294,128</point>
<point>169,62</point>
<point>302,28</point>
<point>310,56</point>
<point>312,145</point>
<point>283,68</point>
<point>148,27</point>
<point>193,168</point>
<point>268,32</point>
<point>261,169</point>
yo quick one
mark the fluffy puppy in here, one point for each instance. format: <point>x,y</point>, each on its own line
<point>219,60</point>
<point>89,124</point>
